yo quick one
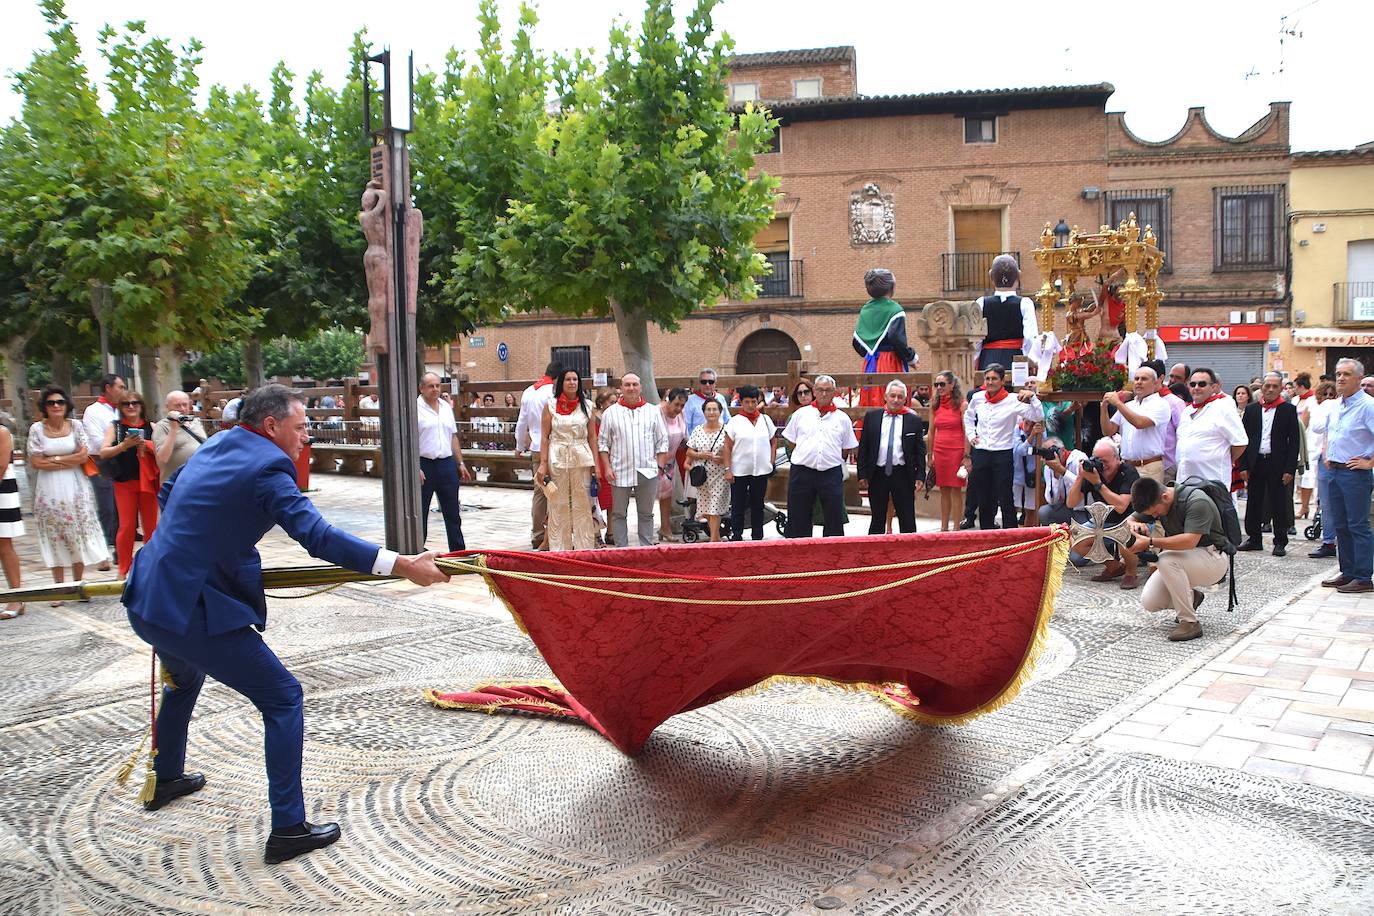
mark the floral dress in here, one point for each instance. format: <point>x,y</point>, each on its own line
<point>64,503</point>
<point>713,496</point>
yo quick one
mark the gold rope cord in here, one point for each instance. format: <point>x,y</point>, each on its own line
<point>958,561</point>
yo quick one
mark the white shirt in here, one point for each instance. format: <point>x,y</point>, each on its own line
<point>820,441</point>
<point>1028,324</point>
<point>1056,487</point>
<point>892,426</point>
<point>437,426</point>
<point>633,440</point>
<point>1318,422</point>
<point>1176,407</point>
<point>751,445</point>
<point>529,429</point>
<point>993,426</point>
<point>1139,444</point>
<point>1205,438</point>
<point>95,420</point>
<point>1266,429</point>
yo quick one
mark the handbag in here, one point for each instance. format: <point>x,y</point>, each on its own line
<point>697,475</point>
<point>90,467</point>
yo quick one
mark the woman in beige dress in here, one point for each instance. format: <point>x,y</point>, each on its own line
<point>565,465</point>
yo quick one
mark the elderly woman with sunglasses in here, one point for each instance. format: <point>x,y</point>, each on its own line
<point>64,514</point>
<point>129,455</point>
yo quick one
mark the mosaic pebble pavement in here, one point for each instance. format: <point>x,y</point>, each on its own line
<point>797,800</point>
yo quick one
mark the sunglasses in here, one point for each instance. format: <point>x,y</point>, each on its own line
<point>1198,384</point>
<point>55,403</point>
<point>941,384</point>
<point>707,381</point>
<point>130,403</point>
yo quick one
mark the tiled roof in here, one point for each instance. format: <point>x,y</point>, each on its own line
<point>964,100</point>
<point>798,56</point>
<point>1363,151</point>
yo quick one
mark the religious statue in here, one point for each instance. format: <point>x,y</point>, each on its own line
<point>1078,342</point>
<point>377,262</point>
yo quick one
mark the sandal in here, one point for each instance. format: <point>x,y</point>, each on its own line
<point>14,610</point>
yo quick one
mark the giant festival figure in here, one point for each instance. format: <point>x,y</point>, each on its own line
<point>880,335</point>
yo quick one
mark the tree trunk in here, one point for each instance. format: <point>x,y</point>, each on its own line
<point>147,386</point>
<point>17,381</point>
<point>253,376</point>
<point>62,370</point>
<point>633,330</point>
<point>169,359</point>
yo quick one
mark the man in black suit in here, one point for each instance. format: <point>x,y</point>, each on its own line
<point>892,459</point>
<point>1268,465</point>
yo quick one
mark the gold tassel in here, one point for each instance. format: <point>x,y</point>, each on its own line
<point>166,677</point>
<point>127,768</point>
<point>149,789</point>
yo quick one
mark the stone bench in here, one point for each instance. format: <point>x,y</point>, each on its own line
<point>501,464</point>
<point>342,458</point>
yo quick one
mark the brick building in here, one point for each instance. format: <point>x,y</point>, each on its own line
<point>933,186</point>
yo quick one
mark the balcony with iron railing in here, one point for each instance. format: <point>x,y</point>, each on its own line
<point>1352,303</point>
<point>967,271</point>
<point>785,282</point>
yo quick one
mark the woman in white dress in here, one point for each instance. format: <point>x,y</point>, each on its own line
<point>69,532</point>
<point>11,521</point>
<point>706,448</point>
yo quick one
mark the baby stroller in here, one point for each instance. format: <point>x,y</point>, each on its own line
<point>695,529</point>
<point>1314,530</point>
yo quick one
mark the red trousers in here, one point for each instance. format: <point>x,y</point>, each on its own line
<point>132,506</point>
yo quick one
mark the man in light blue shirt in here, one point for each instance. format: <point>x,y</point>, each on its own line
<point>1349,458</point>
<point>705,390</point>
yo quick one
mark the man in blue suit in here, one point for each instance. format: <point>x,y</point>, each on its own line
<point>195,594</point>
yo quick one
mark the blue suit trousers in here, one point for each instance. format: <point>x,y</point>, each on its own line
<point>241,661</point>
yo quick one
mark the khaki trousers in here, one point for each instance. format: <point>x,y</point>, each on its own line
<point>1179,572</point>
<point>1154,470</point>
<point>570,510</point>
<point>539,509</point>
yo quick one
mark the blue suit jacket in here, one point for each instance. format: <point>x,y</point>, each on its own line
<point>215,510</point>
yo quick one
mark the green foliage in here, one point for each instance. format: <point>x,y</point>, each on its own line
<point>329,354</point>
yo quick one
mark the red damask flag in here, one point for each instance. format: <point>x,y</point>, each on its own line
<point>943,627</point>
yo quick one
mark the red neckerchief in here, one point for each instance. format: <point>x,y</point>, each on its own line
<point>1303,397</point>
<point>257,432</point>
<point>543,380</point>
<point>995,398</point>
<point>751,417</point>
<point>1268,406</point>
<point>641,403</point>
<point>896,413</point>
<point>106,401</point>
<point>1216,397</point>
<point>566,405</point>
<point>703,395</point>
<point>826,409</point>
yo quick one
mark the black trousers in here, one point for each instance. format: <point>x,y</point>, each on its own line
<point>747,492</point>
<point>899,488</point>
<point>1268,500</point>
<point>990,480</point>
<point>441,480</point>
<point>804,484</point>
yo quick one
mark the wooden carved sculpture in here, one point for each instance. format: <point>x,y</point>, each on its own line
<point>377,263</point>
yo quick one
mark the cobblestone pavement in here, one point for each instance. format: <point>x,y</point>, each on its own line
<point>1231,774</point>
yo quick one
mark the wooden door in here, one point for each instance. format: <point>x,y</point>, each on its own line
<point>977,240</point>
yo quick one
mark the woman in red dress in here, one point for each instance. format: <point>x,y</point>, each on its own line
<point>947,447</point>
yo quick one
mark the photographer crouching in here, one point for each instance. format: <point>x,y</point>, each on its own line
<point>1061,470</point>
<point>1105,478</point>
<point>1192,548</point>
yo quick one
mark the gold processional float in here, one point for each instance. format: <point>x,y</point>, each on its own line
<point>1104,254</point>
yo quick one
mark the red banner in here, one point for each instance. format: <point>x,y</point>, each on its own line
<point>943,627</point>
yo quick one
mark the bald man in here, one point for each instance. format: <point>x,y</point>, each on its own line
<point>1269,464</point>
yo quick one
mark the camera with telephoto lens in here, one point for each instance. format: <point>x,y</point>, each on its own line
<point>1093,464</point>
<point>1048,452</point>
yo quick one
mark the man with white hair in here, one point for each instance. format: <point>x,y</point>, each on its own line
<point>1142,423</point>
<point>177,435</point>
<point>821,437</point>
<point>1349,458</point>
<point>892,460</point>
<point>1269,465</point>
<point>1108,479</point>
<point>705,391</point>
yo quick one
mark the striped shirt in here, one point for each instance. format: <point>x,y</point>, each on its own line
<point>632,439</point>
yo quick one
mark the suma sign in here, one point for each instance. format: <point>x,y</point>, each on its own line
<point>1214,333</point>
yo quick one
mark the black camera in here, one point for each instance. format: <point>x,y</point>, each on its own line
<point>1093,464</point>
<point>183,419</point>
<point>1048,452</point>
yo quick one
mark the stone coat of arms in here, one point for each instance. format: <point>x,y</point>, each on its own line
<point>871,218</point>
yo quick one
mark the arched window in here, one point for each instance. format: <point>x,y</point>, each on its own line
<point>765,351</point>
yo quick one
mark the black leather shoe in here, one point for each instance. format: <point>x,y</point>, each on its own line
<point>170,789</point>
<point>1323,552</point>
<point>1251,545</point>
<point>283,846</point>
<point>1280,551</point>
<point>965,525</point>
<point>1266,527</point>
<point>1292,531</point>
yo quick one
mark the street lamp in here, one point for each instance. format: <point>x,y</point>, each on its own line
<point>1061,234</point>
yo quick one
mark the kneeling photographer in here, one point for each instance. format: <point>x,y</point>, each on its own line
<point>1061,470</point>
<point>1106,478</point>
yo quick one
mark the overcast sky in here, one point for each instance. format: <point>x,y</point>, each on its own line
<point>1163,56</point>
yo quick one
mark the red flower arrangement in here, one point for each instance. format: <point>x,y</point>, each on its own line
<point>1095,370</point>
